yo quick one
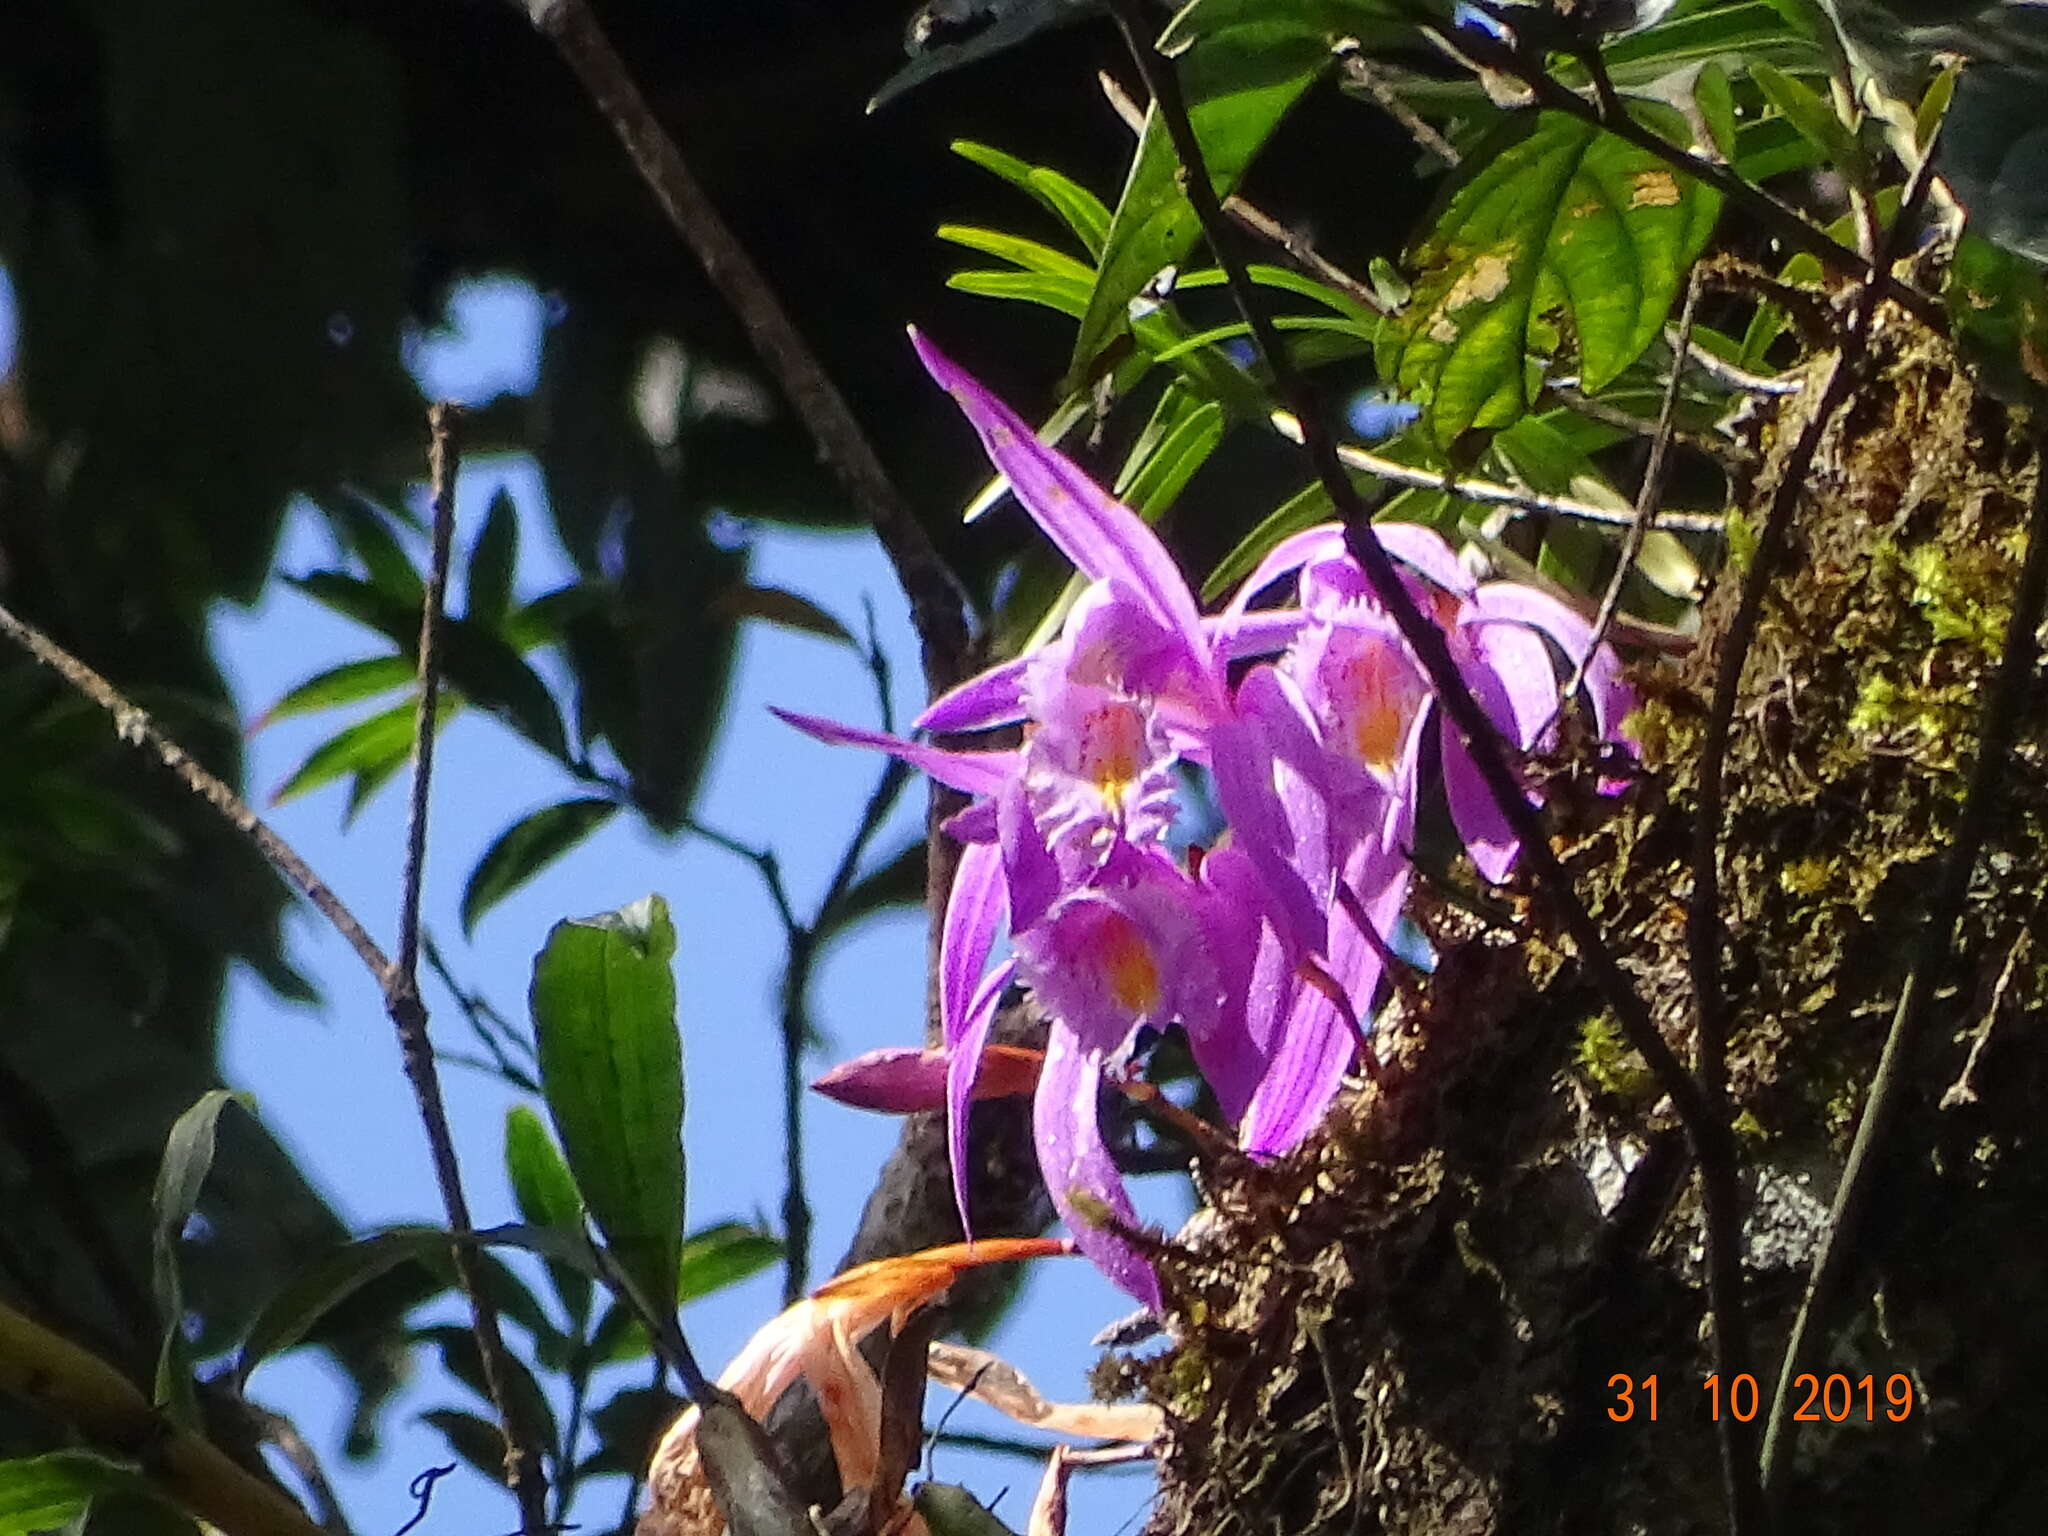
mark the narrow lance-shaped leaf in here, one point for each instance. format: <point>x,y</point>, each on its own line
<point>1551,213</point>
<point>603,1000</point>
<point>527,847</point>
<point>487,589</point>
<point>545,1193</point>
<point>188,1156</point>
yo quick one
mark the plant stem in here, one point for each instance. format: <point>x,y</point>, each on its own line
<point>524,1473</point>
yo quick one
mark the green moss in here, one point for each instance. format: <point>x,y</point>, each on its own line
<point>1741,534</point>
<point>1610,1062</point>
<point>1806,877</point>
<point>1958,594</point>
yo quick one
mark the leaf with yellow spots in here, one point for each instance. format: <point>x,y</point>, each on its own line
<point>1551,216</point>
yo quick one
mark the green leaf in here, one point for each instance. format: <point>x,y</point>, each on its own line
<point>1239,81</point>
<point>626,1428</point>
<point>896,881</point>
<point>1300,512</point>
<point>526,848</point>
<point>1550,213</point>
<point>1015,249</point>
<point>290,1315</point>
<point>782,608</point>
<point>1715,98</point>
<point>188,1156</point>
<point>723,1255</point>
<point>603,1001</point>
<point>1999,303</point>
<point>1156,473</point>
<point>1010,24</point>
<point>487,589</point>
<point>365,528</point>
<point>486,669</point>
<point>345,684</point>
<point>545,1193</point>
<point>950,1510</point>
<point>476,1440</point>
<point>1066,294</point>
<point>48,1493</point>
<point>459,1356</point>
<point>1074,205</point>
<point>373,749</point>
<point>1809,112</point>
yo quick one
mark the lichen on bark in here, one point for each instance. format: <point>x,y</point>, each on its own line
<point>1412,1324</point>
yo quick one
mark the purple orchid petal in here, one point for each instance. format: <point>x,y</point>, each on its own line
<point>1066,1123</point>
<point>904,1080</point>
<point>1611,697</point>
<point>975,909</point>
<point>1425,550</point>
<point>1270,630</point>
<point>963,1067</point>
<point>1484,830</point>
<point>973,773</point>
<point>973,824</point>
<point>1520,659</point>
<point>1315,1045</point>
<point>1241,760</point>
<point>1101,536</point>
<point>1028,865</point>
<point>1290,554</point>
<point>994,698</point>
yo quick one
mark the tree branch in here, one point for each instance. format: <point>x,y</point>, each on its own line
<point>72,1385</point>
<point>1996,738</point>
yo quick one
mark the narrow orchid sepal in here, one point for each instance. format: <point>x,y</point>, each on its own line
<point>972,773</point>
<point>907,1080</point>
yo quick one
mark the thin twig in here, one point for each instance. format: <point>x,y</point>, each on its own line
<point>938,603</point>
<point>523,1471</point>
<point>1290,242</point>
<point>1706,1128</point>
<point>1731,457</point>
<point>1996,740</point>
<point>1359,70</point>
<point>1646,495</point>
<point>134,726</point>
<point>1490,493</point>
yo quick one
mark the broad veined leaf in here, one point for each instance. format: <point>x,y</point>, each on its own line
<point>611,1069</point>
<point>1551,214</point>
<point>188,1157</point>
<point>1239,82</point>
<point>475,1439</point>
<point>1999,302</point>
<point>527,847</point>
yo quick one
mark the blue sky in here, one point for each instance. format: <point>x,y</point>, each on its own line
<point>327,1080</point>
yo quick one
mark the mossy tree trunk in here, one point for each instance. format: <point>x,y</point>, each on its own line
<point>1412,1325</point>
